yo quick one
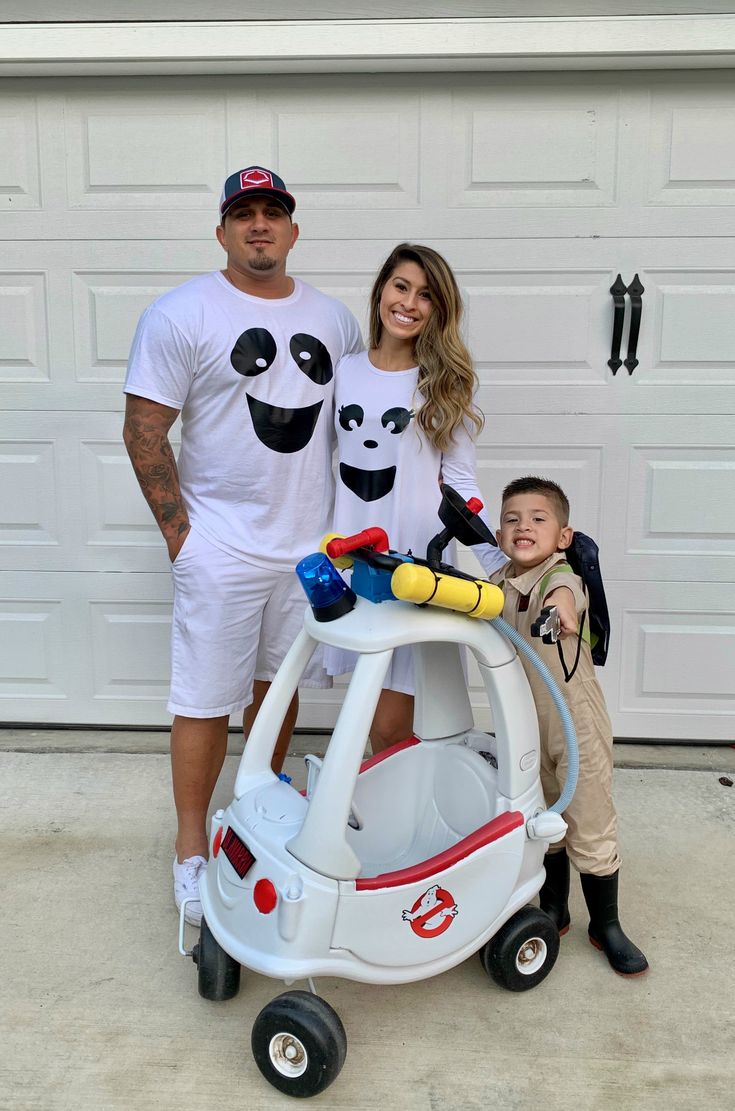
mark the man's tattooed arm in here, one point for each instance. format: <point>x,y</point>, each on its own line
<point>145,434</point>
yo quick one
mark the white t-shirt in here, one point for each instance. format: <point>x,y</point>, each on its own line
<point>254,380</point>
<point>388,471</point>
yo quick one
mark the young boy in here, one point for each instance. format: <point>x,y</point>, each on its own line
<point>534,531</point>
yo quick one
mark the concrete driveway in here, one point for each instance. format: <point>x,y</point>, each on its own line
<point>100,1012</point>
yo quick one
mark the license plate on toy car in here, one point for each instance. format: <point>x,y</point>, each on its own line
<point>237,853</point>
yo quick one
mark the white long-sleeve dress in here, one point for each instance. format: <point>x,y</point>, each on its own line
<point>388,475</point>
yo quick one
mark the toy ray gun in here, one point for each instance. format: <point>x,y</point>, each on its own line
<point>380,574</point>
<point>547,626</point>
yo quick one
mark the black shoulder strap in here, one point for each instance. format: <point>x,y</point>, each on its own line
<point>580,636</point>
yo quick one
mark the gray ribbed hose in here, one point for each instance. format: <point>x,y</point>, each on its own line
<point>570,734</point>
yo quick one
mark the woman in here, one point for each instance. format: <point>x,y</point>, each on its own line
<point>405,420</point>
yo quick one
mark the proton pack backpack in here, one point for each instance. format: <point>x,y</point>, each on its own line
<point>584,559</point>
<point>582,555</point>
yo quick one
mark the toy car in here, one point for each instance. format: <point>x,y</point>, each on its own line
<point>397,867</point>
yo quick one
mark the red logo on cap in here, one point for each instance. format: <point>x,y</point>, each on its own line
<point>255,177</point>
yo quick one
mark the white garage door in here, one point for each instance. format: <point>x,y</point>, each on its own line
<point>540,189</point>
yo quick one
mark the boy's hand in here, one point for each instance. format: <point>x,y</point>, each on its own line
<point>563,599</point>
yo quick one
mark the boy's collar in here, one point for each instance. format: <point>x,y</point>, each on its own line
<point>525,582</point>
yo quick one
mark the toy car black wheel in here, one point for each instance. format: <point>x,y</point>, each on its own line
<point>219,973</point>
<point>299,1043</point>
<point>523,952</point>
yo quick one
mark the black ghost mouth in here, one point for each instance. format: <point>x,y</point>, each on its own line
<point>283,430</point>
<point>368,485</point>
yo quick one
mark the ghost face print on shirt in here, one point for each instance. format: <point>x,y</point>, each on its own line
<point>281,429</point>
<point>368,483</point>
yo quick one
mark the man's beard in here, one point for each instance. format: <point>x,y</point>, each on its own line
<point>263,262</point>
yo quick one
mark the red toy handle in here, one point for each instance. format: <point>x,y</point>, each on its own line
<point>375,538</point>
<point>474,505</point>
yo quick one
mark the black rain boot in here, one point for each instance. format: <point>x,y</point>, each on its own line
<point>554,895</point>
<point>605,931</point>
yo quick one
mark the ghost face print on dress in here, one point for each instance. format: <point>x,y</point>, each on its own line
<point>278,428</point>
<point>367,483</point>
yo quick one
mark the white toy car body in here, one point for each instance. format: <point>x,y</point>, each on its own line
<point>393,868</point>
<point>432,815</point>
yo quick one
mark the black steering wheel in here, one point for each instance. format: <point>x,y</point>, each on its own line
<point>462,521</point>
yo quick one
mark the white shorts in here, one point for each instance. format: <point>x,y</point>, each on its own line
<point>399,677</point>
<point>233,622</point>
<point>400,674</point>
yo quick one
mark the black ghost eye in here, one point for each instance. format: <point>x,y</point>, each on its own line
<point>311,356</point>
<point>254,352</point>
<point>398,417</point>
<point>350,417</point>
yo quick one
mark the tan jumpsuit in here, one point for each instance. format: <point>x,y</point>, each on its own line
<point>591,840</point>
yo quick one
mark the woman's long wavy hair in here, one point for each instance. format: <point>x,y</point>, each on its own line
<point>447,380</point>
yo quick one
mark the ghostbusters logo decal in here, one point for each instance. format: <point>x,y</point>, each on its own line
<point>432,913</point>
<point>370,485</point>
<point>278,428</point>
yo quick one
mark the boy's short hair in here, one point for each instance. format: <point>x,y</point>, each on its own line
<point>531,484</point>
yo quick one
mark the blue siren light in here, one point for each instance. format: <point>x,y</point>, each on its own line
<point>329,595</point>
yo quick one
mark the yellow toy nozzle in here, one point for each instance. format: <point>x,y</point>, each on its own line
<point>414,583</point>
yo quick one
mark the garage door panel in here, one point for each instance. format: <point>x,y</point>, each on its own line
<point>672,483</point>
<point>532,447</point>
<point>346,151</point>
<point>566,343</point>
<point>90,649</point>
<point>669,673</point>
<point>107,307</point>
<point>679,500</point>
<point>152,149</point>
<point>19,142</point>
<point>541,334</point>
<point>654,491</point>
<point>65,333</point>
<point>32,667</point>
<point>38,517</point>
<point>69,499</point>
<point>690,336</point>
<point>130,647</point>
<point>115,512</point>
<point>41,511</point>
<point>24,326</point>
<point>515,145</point>
<point>691,157</point>
<point>28,479</point>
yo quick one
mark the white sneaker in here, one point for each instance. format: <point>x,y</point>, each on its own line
<point>186,886</point>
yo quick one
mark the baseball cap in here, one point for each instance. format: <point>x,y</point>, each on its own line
<point>255,181</point>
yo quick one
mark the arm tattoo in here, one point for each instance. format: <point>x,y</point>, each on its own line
<point>146,438</point>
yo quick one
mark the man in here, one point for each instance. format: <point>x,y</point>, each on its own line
<point>246,356</point>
